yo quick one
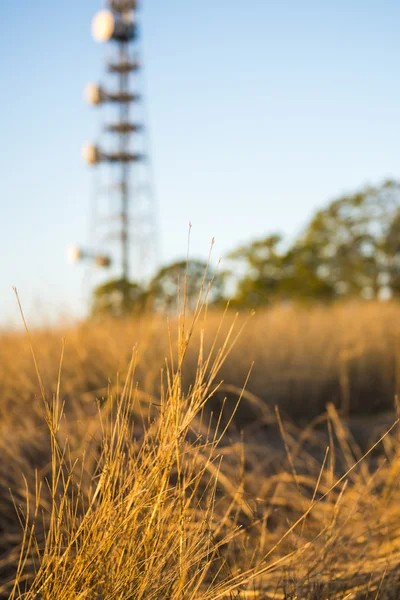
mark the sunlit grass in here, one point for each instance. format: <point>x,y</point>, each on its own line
<point>142,485</point>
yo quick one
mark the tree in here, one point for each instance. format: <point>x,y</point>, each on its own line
<point>350,248</point>
<point>182,279</point>
<point>266,272</point>
<point>117,297</point>
<point>258,270</point>
<point>350,244</point>
<point>392,251</point>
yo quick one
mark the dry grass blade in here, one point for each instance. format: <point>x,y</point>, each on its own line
<point>186,487</point>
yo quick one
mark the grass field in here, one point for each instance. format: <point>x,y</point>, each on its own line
<point>216,456</point>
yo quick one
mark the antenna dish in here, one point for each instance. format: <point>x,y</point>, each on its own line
<point>93,94</point>
<point>74,254</point>
<point>102,261</point>
<point>103,26</point>
<point>90,154</point>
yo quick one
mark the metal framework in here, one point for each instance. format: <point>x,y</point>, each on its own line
<point>117,25</point>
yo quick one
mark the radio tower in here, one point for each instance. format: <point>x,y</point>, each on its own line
<point>135,211</point>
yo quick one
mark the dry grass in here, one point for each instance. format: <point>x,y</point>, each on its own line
<point>149,485</point>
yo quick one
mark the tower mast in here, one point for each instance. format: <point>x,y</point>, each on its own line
<point>117,25</point>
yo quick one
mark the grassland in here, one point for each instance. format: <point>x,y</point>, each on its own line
<point>133,464</point>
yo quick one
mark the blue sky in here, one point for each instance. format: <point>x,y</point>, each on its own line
<point>260,112</point>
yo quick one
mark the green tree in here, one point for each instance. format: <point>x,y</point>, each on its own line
<point>258,270</point>
<point>350,248</point>
<point>184,278</point>
<point>266,272</point>
<point>117,297</point>
<point>350,244</point>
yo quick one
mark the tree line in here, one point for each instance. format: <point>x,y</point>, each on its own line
<point>349,249</point>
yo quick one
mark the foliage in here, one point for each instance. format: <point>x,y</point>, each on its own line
<point>171,287</point>
<point>349,240</point>
<point>260,267</point>
<point>349,249</point>
<point>182,281</point>
<point>117,297</point>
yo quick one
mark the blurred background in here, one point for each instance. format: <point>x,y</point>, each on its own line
<point>259,114</point>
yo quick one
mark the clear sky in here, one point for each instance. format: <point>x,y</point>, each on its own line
<point>260,112</point>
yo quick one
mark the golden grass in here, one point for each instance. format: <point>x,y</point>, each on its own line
<point>150,485</point>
